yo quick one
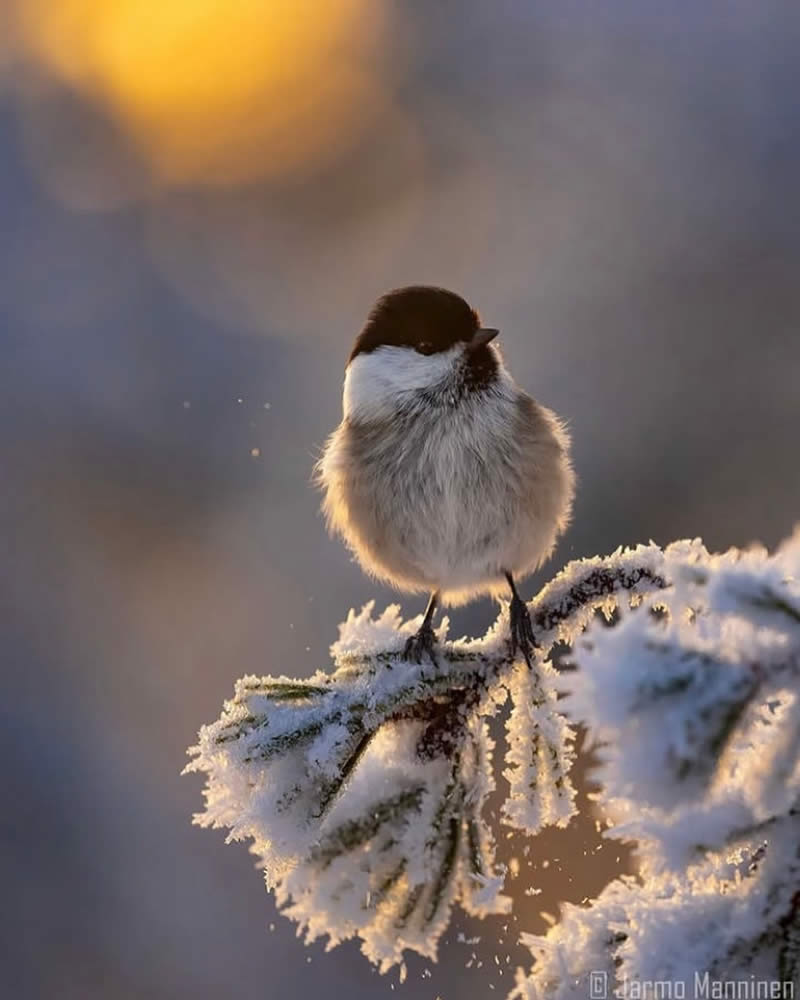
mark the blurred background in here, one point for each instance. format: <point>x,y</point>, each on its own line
<point>199,201</point>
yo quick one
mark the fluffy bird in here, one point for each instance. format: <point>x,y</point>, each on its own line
<point>443,476</point>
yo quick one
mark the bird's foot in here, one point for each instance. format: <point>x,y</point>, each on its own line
<point>421,642</point>
<point>522,637</point>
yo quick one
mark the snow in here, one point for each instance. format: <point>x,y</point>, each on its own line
<point>696,714</point>
<point>363,790</point>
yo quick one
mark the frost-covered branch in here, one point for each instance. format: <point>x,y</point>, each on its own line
<point>363,790</point>
<point>697,713</point>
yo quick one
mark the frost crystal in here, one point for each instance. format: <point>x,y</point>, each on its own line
<point>363,790</point>
<point>696,709</point>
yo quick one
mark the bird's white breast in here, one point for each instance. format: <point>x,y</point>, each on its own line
<point>438,494</point>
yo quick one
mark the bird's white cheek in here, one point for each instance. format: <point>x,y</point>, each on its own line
<point>377,383</point>
<point>366,396</point>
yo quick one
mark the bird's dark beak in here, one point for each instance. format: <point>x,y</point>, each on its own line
<point>481,337</point>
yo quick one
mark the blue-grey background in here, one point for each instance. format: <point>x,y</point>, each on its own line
<point>614,185</point>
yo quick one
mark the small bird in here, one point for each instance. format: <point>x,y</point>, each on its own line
<point>444,476</point>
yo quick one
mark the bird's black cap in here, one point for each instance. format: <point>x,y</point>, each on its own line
<point>424,317</point>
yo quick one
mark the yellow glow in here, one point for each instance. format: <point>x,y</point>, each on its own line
<point>217,90</point>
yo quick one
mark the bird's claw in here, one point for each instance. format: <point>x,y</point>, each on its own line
<point>422,641</point>
<point>521,628</point>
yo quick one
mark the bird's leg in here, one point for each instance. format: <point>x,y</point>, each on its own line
<point>522,637</point>
<point>423,640</point>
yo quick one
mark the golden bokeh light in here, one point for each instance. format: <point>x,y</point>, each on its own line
<point>218,91</point>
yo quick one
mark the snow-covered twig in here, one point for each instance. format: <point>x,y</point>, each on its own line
<point>363,789</point>
<point>697,713</point>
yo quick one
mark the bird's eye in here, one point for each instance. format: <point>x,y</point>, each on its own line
<point>425,347</point>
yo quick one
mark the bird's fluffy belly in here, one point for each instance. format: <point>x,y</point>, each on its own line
<point>449,504</point>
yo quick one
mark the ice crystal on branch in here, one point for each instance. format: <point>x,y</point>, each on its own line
<point>697,711</point>
<point>363,790</point>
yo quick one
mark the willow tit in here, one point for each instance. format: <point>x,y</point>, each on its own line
<point>443,476</point>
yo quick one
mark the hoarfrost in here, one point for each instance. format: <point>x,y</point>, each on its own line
<point>363,790</point>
